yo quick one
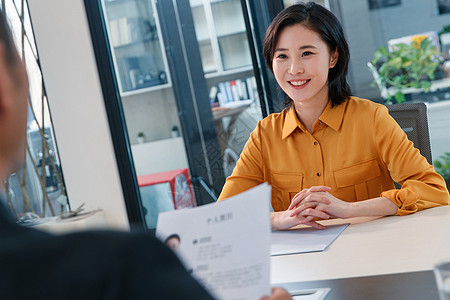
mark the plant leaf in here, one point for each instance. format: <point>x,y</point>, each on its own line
<point>399,97</point>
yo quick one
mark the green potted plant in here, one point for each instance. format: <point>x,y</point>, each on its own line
<point>140,137</point>
<point>407,66</point>
<point>442,166</point>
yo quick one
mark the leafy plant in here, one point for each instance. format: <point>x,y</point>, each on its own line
<point>442,165</point>
<point>407,66</point>
<point>140,134</point>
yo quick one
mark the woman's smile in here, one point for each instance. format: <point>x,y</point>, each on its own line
<point>299,83</point>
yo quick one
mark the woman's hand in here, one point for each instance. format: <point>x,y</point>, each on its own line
<point>306,192</point>
<point>323,201</point>
<point>307,214</point>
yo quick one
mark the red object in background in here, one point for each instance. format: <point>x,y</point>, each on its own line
<point>180,186</point>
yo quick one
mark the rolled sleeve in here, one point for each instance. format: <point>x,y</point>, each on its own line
<point>421,186</point>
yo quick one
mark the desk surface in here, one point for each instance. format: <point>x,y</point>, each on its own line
<point>373,246</point>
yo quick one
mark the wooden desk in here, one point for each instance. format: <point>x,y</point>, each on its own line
<point>386,245</point>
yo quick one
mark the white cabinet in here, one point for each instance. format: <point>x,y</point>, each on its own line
<point>221,34</point>
<point>135,39</point>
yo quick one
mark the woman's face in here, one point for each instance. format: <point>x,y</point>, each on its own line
<point>300,64</point>
<point>173,243</point>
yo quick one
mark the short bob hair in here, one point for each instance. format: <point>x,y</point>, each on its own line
<point>172,236</point>
<point>316,18</point>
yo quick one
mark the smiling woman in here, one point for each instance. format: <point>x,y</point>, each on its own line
<point>328,154</point>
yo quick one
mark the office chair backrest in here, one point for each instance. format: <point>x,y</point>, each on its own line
<point>412,118</point>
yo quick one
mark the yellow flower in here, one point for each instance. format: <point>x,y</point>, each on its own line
<point>417,40</point>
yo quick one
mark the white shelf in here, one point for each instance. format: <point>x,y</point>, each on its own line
<point>221,35</point>
<point>232,32</point>
<point>146,90</point>
<point>228,72</point>
<point>201,29</point>
<point>227,23</point>
<point>135,44</point>
<point>195,3</point>
<point>228,34</point>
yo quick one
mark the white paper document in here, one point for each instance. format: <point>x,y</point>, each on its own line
<point>304,240</point>
<point>225,245</point>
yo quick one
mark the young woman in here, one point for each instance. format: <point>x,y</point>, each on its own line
<point>328,154</point>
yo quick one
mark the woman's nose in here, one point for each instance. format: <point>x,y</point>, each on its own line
<point>296,67</point>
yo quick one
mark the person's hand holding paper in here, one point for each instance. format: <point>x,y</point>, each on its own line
<point>226,251</point>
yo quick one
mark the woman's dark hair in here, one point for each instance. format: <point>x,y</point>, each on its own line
<point>316,18</point>
<point>172,236</point>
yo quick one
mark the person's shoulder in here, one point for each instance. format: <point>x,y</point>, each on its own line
<point>274,120</point>
<point>363,106</point>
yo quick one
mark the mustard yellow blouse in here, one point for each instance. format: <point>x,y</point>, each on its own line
<point>356,148</point>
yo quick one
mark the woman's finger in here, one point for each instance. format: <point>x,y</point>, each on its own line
<point>296,199</point>
<point>305,192</point>
<point>316,225</point>
<point>320,188</point>
<point>311,212</point>
<point>302,207</point>
<point>312,202</point>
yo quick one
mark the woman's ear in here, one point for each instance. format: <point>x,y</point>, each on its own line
<point>334,58</point>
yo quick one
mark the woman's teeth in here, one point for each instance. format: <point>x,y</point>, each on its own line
<point>299,82</point>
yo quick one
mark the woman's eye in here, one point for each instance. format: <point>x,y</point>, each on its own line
<point>282,56</point>
<point>306,53</point>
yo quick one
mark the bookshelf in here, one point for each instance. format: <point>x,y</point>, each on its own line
<point>134,35</point>
<point>222,39</point>
<point>221,34</point>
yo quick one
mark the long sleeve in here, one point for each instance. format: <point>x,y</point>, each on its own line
<point>421,186</point>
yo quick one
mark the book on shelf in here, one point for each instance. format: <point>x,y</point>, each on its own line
<point>233,91</point>
<point>242,89</point>
<point>251,87</point>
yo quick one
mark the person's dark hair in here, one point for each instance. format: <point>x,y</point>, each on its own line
<point>172,236</point>
<point>6,39</point>
<point>316,18</point>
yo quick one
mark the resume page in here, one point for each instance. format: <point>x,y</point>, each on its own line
<point>225,245</point>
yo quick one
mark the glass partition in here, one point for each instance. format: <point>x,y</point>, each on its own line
<point>37,190</point>
<point>195,114</point>
<point>227,63</point>
<point>134,35</point>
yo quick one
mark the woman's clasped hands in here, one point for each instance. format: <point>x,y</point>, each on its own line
<point>309,204</point>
